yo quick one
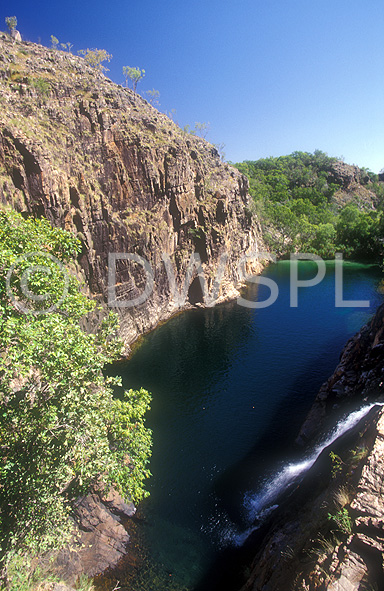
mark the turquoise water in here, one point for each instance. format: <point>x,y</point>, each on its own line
<point>231,386</point>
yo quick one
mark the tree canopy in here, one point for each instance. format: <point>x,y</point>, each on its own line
<point>11,22</point>
<point>134,75</point>
<point>293,197</point>
<point>95,58</point>
<point>61,427</point>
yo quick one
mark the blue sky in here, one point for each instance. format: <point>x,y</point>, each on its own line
<point>270,76</point>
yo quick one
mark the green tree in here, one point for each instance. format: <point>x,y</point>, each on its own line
<point>67,46</point>
<point>95,58</point>
<point>324,242</point>
<point>357,231</point>
<point>54,42</point>
<point>11,22</point>
<point>134,75</point>
<point>153,97</point>
<point>61,428</point>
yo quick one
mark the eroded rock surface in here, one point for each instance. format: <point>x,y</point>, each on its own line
<point>100,538</point>
<point>355,186</point>
<point>95,158</point>
<point>359,376</point>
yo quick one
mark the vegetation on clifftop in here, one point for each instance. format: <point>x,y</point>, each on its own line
<point>61,429</point>
<point>300,201</point>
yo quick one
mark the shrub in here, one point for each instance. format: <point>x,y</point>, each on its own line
<point>95,58</point>
<point>41,85</point>
<point>336,464</point>
<point>61,428</point>
<point>11,22</point>
<point>343,520</point>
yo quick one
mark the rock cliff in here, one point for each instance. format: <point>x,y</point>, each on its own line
<point>355,185</point>
<point>358,376</point>
<point>301,548</point>
<point>95,158</point>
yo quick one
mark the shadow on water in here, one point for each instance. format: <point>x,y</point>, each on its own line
<point>276,444</point>
<point>232,566</point>
<point>231,387</point>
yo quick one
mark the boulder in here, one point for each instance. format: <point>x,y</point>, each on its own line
<point>15,35</point>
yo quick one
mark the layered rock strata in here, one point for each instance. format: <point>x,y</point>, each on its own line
<point>98,160</point>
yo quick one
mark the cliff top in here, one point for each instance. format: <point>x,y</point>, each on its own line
<point>42,88</point>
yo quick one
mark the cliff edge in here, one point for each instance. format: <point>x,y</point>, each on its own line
<point>97,159</point>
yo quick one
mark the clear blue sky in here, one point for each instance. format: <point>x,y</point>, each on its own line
<point>271,76</point>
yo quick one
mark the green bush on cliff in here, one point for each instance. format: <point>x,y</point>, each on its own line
<point>95,58</point>
<point>134,75</point>
<point>11,22</point>
<point>61,429</point>
<point>342,520</point>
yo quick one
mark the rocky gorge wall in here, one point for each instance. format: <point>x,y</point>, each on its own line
<point>98,160</point>
<point>301,548</point>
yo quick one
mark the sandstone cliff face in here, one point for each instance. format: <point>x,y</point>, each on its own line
<point>94,158</point>
<point>355,186</point>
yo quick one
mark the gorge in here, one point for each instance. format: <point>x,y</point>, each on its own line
<point>98,160</point>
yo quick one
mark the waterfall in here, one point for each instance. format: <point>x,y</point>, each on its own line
<point>262,503</point>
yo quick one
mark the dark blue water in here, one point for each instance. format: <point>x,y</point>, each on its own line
<point>231,386</point>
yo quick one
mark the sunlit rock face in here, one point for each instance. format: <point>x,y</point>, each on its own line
<point>97,159</point>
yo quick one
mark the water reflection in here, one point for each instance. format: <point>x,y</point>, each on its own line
<point>230,387</point>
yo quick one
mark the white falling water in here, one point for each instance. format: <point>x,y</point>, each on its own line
<point>262,503</point>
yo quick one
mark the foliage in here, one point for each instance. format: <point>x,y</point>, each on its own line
<point>294,199</point>
<point>336,464</point>
<point>343,520</point>
<point>11,22</point>
<point>197,233</point>
<point>23,573</point>
<point>67,46</point>
<point>358,454</point>
<point>153,97</point>
<point>54,42</point>
<point>134,75</point>
<point>61,429</point>
<point>95,58</point>
<point>201,129</point>
<point>41,85</point>
<point>187,129</point>
<point>84,583</point>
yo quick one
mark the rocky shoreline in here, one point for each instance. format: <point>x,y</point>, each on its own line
<point>298,549</point>
<point>97,159</point>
